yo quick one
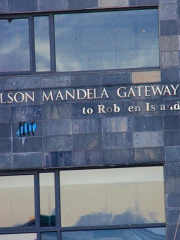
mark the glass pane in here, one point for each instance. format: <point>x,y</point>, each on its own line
<point>112,196</point>
<point>107,40</point>
<point>47,199</point>
<point>26,236</point>
<point>49,236</point>
<point>122,234</point>
<point>42,44</point>
<point>14,45</point>
<point>17,201</point>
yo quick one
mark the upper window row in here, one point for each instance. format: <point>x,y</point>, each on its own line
<point>80,41</point>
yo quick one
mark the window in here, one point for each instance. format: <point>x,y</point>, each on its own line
<point>79,41</point>
<point>114,203</point>
<point>106,40</point>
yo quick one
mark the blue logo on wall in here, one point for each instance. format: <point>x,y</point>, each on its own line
<point>26,128</point>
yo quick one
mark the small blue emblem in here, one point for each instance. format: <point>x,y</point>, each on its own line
<point>26,127</point>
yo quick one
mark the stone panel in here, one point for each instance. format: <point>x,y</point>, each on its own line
<point>117,140</point>
<point>86,126</point>
<point>87,158</point>
<point>169,43</point>
<point>5,130</point>
<point>170,74</point>
<point>26,113</point>
<point>173,231</point>
<point>151,123</point>
<point>132,3</point>
<point>173,200</point>
<point>146,77</point>
<point>22,5</point>
<point>167,1</point>
<point>171,138</point>
<point>76,158</point>
<point>81,4</point>
<point>56,111</point>
<point>61,127</point>
<point>86,141</point>
<point>114,124</point>
<point>147,2</point>
<point>172,185</point>
<point>172,122</point>
<point>5,145</point>
<point>5,114</point>
<point>170,59</point>
<point>57,143</point>
<point>118,156</point>
<point>148,139</point>
<point>15,83</point>
<point>168,11</point>
<point>27,144</point>
<point>172,169</point>
<point>85,79</point>
<point>57,159</point>
<point>172,216</point>
<point>60,80</point>
<point>3,6</point>
<point>27,160</point>
<point>149,155</point>
<point>113,3</point>
<point>5,161</point>
<point>172,154</point>
<point>168,27</point>
<point>115,78</point>
<point>49,5</point>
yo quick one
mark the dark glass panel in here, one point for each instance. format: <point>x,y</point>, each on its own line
<point>122,234</point>
<point>107,40</point>
<point>49,236</point>
<point>17,201</point>
<point>42,43</point>
<point>22,236</point>
<point>47,199</point>
<point>14,45</point>
<point>112,196</point>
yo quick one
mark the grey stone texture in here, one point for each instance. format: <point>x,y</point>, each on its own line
<point>170,59</point>
<point>168,27</point>
<point>149,155</point>
<point>81,126</point>
<point>116,140</point>
<point>168,11</point>
<point>148,139</point>
<point>60,127</point>
<point>66,138</point>
<point>86,141</point>
<point>169,43</point>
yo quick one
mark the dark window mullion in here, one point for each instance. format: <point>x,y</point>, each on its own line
<point>37,204</point>
<point>32,45</point>
<point>52,42</point>
<point>57,201</point>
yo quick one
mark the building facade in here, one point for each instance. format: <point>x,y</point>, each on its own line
<point>89,119</point>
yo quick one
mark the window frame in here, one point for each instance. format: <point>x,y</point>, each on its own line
<point>58,229</point>
<point>30,17</point>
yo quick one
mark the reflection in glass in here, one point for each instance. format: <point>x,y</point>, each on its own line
<point>42,44</point>
<point>107,40</point>
<point>112,196</point>
<point>14,45</point>
<point>17,201</point>
<point>122,234</point>
<point>47,199</point>
<point>26,236</point>
<point>49,236</point>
